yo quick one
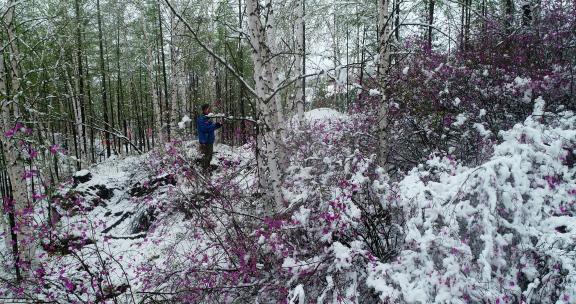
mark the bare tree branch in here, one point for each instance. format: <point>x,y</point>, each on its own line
<point>211,51</point>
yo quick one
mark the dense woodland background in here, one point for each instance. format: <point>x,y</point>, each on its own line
<point>423,89</point>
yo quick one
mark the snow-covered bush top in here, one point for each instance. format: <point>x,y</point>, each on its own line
<point>501,232</point>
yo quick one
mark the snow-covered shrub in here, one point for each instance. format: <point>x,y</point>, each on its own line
<point>217,243</point>
<point>460,109</point>
<point>457,103</point>
<point>501,232</point>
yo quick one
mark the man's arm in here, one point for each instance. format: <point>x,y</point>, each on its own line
<point>206,125</point>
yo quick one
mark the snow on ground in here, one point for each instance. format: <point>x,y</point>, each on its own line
<point>323,115</point>
<point>503,229</point>
<point>120,208</point>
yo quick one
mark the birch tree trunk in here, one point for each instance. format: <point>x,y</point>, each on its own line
<point>272,67</point>
<point>300,57</point>
<point>384,26</point>
<point>19,192</point>
<point>10,166</point>
<point>75,118</point>
<point>81,97</point>
<point>181,90</point>
<point>267,107</point>
<point>21,237</point>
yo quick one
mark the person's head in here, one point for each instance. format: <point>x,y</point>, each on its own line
<point>206,108</point>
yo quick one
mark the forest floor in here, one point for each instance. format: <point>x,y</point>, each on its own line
<point>112,217</point>
<point>154,222</point>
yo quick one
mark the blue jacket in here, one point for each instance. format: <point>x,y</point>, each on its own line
<point>206,129</point>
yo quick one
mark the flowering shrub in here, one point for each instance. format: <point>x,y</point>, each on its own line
<point>457,103</point>
<point>501,232</point>
<point>482,215</point>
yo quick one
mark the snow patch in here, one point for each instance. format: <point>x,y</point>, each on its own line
<point>301,216</point>
<point>482,130</point>
<point>460,120</point>
<point>324,114</point>
<point>342,254</point>
<point>374,92</point>
<point>297,295</point>
<point>520,82</point>
<point>82,173</point>
<point>182,123</point>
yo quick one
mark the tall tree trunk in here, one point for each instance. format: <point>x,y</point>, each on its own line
<point>174,60</point>
<point>468,23</point>
<point>362,55</point>
<point>462,24</point>
<point>119,88</point>
<point>484,17</point>
<point>156,113</point>
<point>103,79</point>
<point>240,69</point>
<point>81,97</point>
<point>300,65</point>
<point>271,69</point>
<point>176,77</point>
<point>90,113</point>
<point>139,106</point>
<point>266,106</point>
<point>14,193</point>
<point>508,15</point>
<point>397,19</point>
<point>383,65</point>
<point>430,22</point>
<point>18,191</point>
<point>526,13</point>
<point>167,110</point>
<point>74,115</point>
<point>111,98</point>
<point>347,69</point>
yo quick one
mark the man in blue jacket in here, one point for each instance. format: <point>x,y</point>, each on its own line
<point>206,130</point>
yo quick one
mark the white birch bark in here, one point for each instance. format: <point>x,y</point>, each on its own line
<point>77,113</point>
<point>5,118</point>
<point>272,67</point>
<point>10,114</point>
<point>264,80</point>
<point>299,57</point>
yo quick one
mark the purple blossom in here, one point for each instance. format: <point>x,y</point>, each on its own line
<point>552,180</point>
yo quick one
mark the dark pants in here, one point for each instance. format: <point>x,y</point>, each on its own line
<point>207,150</point>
